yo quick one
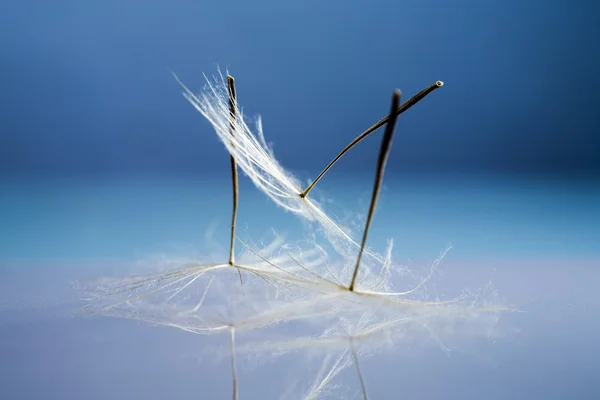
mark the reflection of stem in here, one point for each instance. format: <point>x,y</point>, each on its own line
<point>396,112</point>
<point>382,159</point>
<point>360,375</point>
<point>233,367</point>
<point>234,174</point>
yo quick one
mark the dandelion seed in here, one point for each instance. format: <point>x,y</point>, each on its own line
<point>345,301</point>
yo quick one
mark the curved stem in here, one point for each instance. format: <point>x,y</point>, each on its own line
<point>399,110</point>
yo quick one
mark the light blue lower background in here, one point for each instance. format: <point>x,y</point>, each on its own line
<point>538,240</point>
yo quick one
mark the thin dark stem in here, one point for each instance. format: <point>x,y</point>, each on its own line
<point>360,375</point>
<point>381,160</point>
<point>234,174</point>
<point>399,110</point>
<point>233,365</point>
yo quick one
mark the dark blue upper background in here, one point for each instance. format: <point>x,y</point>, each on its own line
<point>86,87</point>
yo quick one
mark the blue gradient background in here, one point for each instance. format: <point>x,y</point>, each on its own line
<point>103,162</point>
